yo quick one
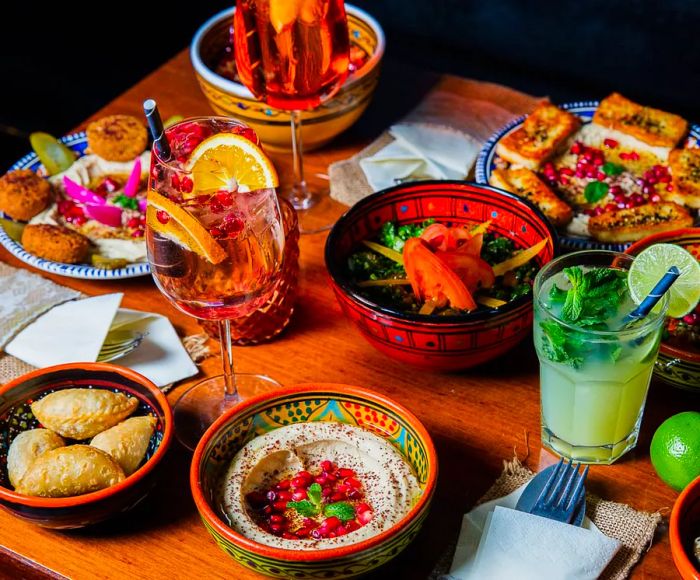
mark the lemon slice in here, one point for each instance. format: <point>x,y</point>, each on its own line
<point>226,161</point>
<point>650,266</point>
<point>182,227</point>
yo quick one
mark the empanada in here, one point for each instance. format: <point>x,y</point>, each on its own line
<point>26,447</point>
<point>83,413</point>
<point>69,471</point>
<point>127,442</point>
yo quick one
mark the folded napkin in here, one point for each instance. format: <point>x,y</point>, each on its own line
<point>420,151</point>
<point>496,541</point>
<point>75,332</point>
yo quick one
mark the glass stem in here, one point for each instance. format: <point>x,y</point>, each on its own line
<point>227,359</point>
<point>299,195</point>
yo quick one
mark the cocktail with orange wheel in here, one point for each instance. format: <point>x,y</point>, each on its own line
<point>215,242</point>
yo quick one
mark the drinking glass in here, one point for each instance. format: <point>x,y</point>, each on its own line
<point>215,255</point>
<point>592,404</point>
<point>293,55</point>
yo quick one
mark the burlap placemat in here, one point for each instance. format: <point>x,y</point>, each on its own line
<point>472,107</point>
<point>633,529</point>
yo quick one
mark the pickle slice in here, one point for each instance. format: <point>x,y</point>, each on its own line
<point>108,263</point>
<point>53,154</point>
<point>13,229</point>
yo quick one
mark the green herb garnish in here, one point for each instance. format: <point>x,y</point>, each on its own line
<point>342,510</point>
<point>126,202</point>
<point>394,237</point>
<point>612,168</point>
<point>309,507</point>
<point>595,191</point>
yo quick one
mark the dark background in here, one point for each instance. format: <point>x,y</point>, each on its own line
<point>62,62</point>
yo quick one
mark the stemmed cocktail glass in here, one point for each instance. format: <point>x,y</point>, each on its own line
<point>293,55</point>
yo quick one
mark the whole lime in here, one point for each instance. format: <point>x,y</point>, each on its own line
<point>675,449</point>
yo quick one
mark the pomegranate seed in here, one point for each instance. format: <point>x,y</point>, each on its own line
<point>321,479</point>
<point>563,171</point>
<point>289,536</point>
<point>271,496</point>
<point>338,497</point>
<point>279,506</point>
<point>162,216</point>
<point>175,181</point>
<point>588,156</point>
<point>332,535</point>
<point>598,161</point>
<point>299,495</point>
<point>611,143</point>
<point>341,531</point>
<point>583,161</point>
<point>365,517</point>
<point>669,187</point>
<point>284,484</point>
<point>664,178</point>
<point>352,482</point>
<point>326,491</point>
<point>267,510</point>
<point>580,173</point>
<point>690,318</point>
<point>276,528</point>
<point>303,532</point>
<point>600,176</point>
<point>331,523</point>
<point>331,478</point>
<point>316,534</point>
<point>342,488</point>
<point>634,156</point>
<point>354,494</point>
<point>621,204</point>
<point>305,474</point>
<point>655,198</point>
<point>615,190</point>
<point>327,466</point>
<point>597,211</point>
<point>577,147</point>
<point>186,184</point>
<point>637,199</point>
<point>216,207</point>
<point>133,222</point>
<point>284,495</point>
<point>610,207</point>
<point>277,519</point>
<point>224,198</point>
<point>652,179</point>
<point>216,233</point>
<point>351,526</point>
<point>137,233</point>
<point>300,482</point>
<point>362,507</point>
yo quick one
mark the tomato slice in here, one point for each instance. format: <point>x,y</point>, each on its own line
<point>472,270</point>
<point>437,235</point>
<point>445,239</point>
<point>432,279</point>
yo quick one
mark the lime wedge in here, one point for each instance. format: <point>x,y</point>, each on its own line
<point>53,154</point>
<point>12,229</point>
<point>650,266</point>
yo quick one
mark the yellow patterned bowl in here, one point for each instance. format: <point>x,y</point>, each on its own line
<point>312,402</point>
<point>319,125</point>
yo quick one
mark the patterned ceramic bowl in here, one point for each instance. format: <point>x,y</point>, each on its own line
<point>320,125</point>
<point>91,508</point>
<point>445,343</point>
<point>677,366</point>
<point>312,402</point>
<point>684,528</point>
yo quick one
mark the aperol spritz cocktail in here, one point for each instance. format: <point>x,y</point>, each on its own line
<point>215,241</point>
<point>293,55</point>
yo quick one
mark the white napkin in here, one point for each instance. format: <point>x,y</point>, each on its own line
<point>75,332</point>
<point>498,542</point>
<point>420,151</point>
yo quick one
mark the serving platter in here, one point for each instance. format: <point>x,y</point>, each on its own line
<point>487,161</point>
<point>78,143</point>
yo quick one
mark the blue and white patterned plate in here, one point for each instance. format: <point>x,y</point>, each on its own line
<point>485,164</point>
<point>78,143</point>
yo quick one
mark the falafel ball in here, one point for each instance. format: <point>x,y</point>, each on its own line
<point>23,194</point>
<point>117,137</point>
<point>55,243</point>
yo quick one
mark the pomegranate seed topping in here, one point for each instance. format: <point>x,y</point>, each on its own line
<point>351,526</point>
<point>271,496</point>
<point>610,207</point>
<point>611,143</point>
<point>665,178</point>
<point>669,187</point>
<point>216,233</point>
<point>267,510</point>
<point>277,519</point>
<point>316,534</point>
<point>216,207</point>
<point>580,173</point>
<point>327,466</point>
<point>341,531</point>
<point>224,198</point>
<point>175,181</point>
<point>162,216</point>
<point>186,184</point>
<point>284,484</point>
<point>637,199</point>
<point>289,536</point>
<point>331,523</point>
<point>566,171</point>
<point>655,198</point>
<point>279,506</point>
<point>284,495</point>
<point>597,211</point>
<point>352,482</point>
<point>598,161</point>
<point>137,233</point>
<point>342,488</point>
<point>362,507</point>
<point>303,532</point>
<point>338,497</point>
<point>299,495</point>
<point>600,176</point>
<point>365,517</point>
<point>276,528</point>
<point>332,535</point>
<point>326,491</point>
<point>133,222</point>
<point>331,478</point>
<point>321,479</point>
<point>300,482</point>
<point>577,147</point>
<point>354,494</point>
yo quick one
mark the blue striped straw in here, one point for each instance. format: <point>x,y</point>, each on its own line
<point>655,295</point>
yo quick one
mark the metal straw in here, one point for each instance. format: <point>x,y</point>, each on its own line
<point>155,124</point>
<point>655,295</point>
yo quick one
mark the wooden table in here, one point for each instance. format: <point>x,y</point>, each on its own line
<point>477,419</point>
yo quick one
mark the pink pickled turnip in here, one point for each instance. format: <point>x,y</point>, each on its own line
<point>81,194</point>
<point>132,184</point>
<point>105,214</point>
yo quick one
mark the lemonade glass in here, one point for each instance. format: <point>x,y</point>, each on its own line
<point>593,381</point>
<point>215,241</point>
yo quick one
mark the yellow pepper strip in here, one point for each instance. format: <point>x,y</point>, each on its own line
<point>519,259</point>
<point>384,251</point>
<point>428,307</point>
<point>386,282</point>
<point>480,229</point>
<point>490,302</point>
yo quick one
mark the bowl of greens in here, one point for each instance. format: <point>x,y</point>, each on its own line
<point>438,274</point>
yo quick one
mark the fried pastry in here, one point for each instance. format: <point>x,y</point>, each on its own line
<point>70,471</point>
<point>127,442</point>
<point>685,169</point>
<point>83,413</point>
<point>635,223</point>
<point>25,448</point>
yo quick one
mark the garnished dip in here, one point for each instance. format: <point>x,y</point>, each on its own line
<point>432,268</point>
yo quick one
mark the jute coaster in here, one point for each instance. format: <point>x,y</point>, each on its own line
<point>634,529</point>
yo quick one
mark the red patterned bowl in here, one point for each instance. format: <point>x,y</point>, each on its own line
<point>675,365</point>
<point>90,508</point>
<point>684,527</point>
<point>445,343</point>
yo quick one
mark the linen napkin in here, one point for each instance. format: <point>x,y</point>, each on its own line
<point>496,541</point>
<point>420,151</point>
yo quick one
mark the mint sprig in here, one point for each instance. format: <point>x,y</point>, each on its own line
<point>612,168</point>
<point>595,191</point>
<point>126,202</point>
<point>342,510</point>
<point>309,507</point>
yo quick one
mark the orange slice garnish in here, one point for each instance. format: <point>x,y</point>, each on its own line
<point>228,161</point>
<point>182,227</point>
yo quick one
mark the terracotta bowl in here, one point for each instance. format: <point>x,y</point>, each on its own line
<point>676,366</point>
<point>320,125</point>
<point>684,527</point>
<point>91,508</point>
<point>312,402</point>
<point>445,343</point>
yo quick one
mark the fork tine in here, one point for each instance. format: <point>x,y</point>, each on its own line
<point>550,481</point>
<point>578,490</point>
<point>559,486</point>
<point>565,496</point>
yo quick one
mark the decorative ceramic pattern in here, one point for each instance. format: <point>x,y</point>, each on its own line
<point>485,164</point>
<point>337,403</point>
<point>78,143</point>
<point>451,342</point>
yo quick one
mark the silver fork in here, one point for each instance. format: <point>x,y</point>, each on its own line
<point>118,344</point>
<point>562,494</point>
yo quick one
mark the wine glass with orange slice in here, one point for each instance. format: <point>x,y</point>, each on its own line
<point>215,242</point>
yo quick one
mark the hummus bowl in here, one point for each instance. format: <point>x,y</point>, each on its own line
<point>319,403</point>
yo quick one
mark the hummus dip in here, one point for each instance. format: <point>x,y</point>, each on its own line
<point>388,485</point>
